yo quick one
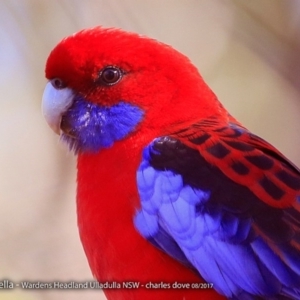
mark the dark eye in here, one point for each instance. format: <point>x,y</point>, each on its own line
<point>58,83</point>
<point>110,75</point>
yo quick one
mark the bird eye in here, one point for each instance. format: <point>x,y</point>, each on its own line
<point>110,75</point>
<point>57,83</point>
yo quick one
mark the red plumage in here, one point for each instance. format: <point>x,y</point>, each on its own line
<point>107,200</point>
<point>176,103</point>
<point>107,195</point>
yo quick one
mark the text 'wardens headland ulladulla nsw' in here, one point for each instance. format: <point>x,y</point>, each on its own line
<point>8,284</point>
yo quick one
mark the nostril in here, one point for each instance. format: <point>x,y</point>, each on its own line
<point>57,83</point>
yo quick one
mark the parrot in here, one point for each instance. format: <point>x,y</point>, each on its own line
<point>175,198</point>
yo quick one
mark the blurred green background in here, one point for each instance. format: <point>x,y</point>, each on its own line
<point>247,51</point>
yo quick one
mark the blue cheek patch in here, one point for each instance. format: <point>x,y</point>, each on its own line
<point>90,127</point>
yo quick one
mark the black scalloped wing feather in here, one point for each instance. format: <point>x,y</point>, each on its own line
<point>247,160</point>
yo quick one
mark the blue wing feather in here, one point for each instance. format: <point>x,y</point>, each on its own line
<point>195,221</point>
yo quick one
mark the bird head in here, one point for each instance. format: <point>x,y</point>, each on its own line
<point>106,84</point>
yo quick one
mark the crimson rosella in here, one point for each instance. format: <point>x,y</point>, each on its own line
<point>173,192</point>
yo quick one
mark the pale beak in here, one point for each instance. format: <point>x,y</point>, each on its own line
<point>55,103</point>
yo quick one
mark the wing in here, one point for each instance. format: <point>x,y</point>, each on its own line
<point>224,202</point>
